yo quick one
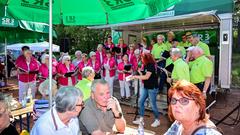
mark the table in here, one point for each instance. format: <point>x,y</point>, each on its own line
<point>21,113</point>
<point>131,130</point>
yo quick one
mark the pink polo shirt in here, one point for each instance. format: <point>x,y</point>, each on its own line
<point>100,56</point>
<point>96,65</point>
<point>62,69</point>
<point>121,76</point>
<point>44,71</point>
<point>33,66</point>
<point>112,63</point>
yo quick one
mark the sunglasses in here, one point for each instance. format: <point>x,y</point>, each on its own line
<point>68,60</point>
<point>182,101</point>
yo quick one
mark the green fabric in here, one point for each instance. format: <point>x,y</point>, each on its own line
<point>186,44</point>
<point>169,45</point>
<point>157,50</point>
<point>90,12</point>
<point>201,68</point>
<point>168,61</point>
<point>182,49</point>
<point>204,47</point>
<point>180,70</point>
<point>85,86</point>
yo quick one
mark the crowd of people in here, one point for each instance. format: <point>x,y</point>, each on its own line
<point>86,84</point>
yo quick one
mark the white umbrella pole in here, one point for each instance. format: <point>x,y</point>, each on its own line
<point>50,54</point>
<point>6,71</point>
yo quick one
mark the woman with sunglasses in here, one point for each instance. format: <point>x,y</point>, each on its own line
<point>66,72</point>
<point>187,109</point>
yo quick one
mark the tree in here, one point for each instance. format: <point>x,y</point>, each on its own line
<point>81,38</point>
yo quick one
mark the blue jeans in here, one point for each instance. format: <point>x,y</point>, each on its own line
<point>152,94</point>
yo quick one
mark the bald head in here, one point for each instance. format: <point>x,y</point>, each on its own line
<point>197,52</point>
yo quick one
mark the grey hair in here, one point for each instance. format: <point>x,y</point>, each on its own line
<point>197,50</point>
<point>87,71</point>
<point>43,58</point>
<point>176,52</point>
<point>66,98</point>
<point>195,36</point>
<point>99,45</point>
<point>96,82</point>
<point>65,58</point>
<point>78,52</point>
<point>161,36</point>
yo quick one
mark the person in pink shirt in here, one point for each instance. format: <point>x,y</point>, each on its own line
<point>100,53</point>
<point>122,74</point>
<point>81,65</point>
<point>43,69</point>
<point>27,67</point>
<point>95,64</point>
<point>123,50</point>
<point>109,70</point>
<point>109,45</point>
<point>64,68</point>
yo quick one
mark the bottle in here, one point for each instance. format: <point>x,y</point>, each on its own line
<point>24,132</point>
<point>141,127</point>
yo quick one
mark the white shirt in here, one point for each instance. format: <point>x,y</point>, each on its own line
<point>45,125</point>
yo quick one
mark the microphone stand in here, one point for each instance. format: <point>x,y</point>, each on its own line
<point>136,113</point>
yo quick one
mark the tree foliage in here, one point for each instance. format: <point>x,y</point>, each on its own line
<point>81,38</point>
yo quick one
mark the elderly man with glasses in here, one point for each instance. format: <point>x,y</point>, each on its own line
<point>62,118</point>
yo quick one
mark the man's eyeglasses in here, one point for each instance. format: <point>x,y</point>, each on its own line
<point>182,101</point>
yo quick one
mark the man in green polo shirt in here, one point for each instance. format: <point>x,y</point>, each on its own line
<point>201,70</point>
<point>170,37</point>
<point>159,47</point>
<point>194,40</point>
<point>85,84</point>
<point>184,42</point>
<point>181,68</point>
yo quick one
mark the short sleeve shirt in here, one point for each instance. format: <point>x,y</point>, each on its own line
<point>94,118</point>
<point>158,50</point>
<point>85,86</point>
<point>168,45</point>
<point>180,70</point>
<point>151,83</point>
<point>204,47</point>
<point>201,68</point>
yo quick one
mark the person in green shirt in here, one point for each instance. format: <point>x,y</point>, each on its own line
<point>184,42</point>
<point>175,44</point>
<point>159,48</point>
<point>194,40</point>
<point>201,70</point>
<point>84,85</point>
<point>181,68</point>
<point>170,37</point>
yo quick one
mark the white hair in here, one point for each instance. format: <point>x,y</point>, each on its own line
<point>137,52</point>
<point>197,50</point>
<point>78,52</point>
<point>92,53</point>
<point>64,58</point>
<point>176,52</point>
<point>161,36</point>
<point>43,58</point>
<point>86,71</point>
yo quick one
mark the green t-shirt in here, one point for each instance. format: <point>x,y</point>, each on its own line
<point>85,86</point>
<point>201,68</point>
<point>157,50</point>
<point>168,45</point>
<point>168,61</point>
<point>186,44</point>
<point>204,47</point>
<point>180,70</point>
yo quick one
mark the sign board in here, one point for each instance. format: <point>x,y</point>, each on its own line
<point>8,22</point>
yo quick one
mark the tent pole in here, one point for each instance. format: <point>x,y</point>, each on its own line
<point>50,54</point>
<point>6,64</point>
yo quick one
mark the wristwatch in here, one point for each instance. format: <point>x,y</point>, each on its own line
<point>119,115</point>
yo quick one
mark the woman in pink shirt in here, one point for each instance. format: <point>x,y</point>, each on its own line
<point>43,69</point>
<point>95,64</point>
<point>123,50</point>
<point>122,74</point>
<point>100,53</point>
<point>27,67</point>
<point>109,70</point>
<point>66,67</point>
<point>109,45</point>
<point>81,65</point>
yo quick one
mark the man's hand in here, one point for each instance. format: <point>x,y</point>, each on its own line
<point>112,105</point>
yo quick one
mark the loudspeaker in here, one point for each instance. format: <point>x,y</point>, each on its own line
<point>65,43</point>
